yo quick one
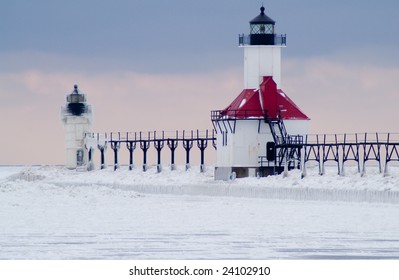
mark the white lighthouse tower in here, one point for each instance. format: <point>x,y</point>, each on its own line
<point>76,116</point>
<point>262,51</point>
<point>262,124</point>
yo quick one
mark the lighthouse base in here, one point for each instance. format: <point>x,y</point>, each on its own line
<point>229,173</point>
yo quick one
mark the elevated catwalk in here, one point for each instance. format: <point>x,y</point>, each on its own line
<point>289,151</point>
<point>146,140</point>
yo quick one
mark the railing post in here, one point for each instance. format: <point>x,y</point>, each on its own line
<point>90,164</point>
<point>172,144</point>
<point>89,141</point>
<point>115,145</point>
<point>187,145</point>
<point>202,145</point>
<point>145,145</point>
<point>387,156</point>
<point>378,153</point>
<point>214,144</point>
<point>131,146</point>
<point>303,160</point>
<point>365,156</point>
<point>102,146</point>
<point>357,154</point>
<point>285,173</point>
<point>159,144</point>
<point>102,156</point>
<point>343,156</point>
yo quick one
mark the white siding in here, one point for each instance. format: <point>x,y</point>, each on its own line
<point>75,128</point>
<point>261,61</point>
<point>244,146</point>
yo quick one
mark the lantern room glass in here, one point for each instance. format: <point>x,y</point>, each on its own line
<point>262,29</point>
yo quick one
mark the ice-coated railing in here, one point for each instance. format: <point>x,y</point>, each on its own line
<point>361,138</point>
<point>154,135</point>
<point>146,140</point>
<point>358,148</point>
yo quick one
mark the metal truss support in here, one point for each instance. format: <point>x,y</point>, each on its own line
<point>391,153</point>
<point>102,155</point>
<point>90,164</point>
<point>214,144</point>
<point>187,145</point>
<point>159,144</point>
<point>144,146</point>
<point>172,144</point>
<point>131,146</point>
<point>303,163</point>
<point>202,144</point>
<point>350,151</point>
<point>133,139</point>
<point>102,146</point>
<point>371,151</point>
<point>115,146</point>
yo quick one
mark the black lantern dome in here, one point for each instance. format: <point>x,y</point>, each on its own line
<point>76,102</point>
<point>262,29</point>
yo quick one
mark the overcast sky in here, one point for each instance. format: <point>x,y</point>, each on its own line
<point>153,65</point>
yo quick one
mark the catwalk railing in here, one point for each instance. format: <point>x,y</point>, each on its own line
<point>146,140</point>
<point>340,149</point>
<point>295,152</point>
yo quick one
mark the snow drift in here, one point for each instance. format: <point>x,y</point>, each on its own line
<point>373,187</point>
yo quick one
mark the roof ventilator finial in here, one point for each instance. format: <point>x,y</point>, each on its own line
<point>262,10</point>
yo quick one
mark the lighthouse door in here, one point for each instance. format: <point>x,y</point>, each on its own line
<point>79,157</point>
<point>270,151</point>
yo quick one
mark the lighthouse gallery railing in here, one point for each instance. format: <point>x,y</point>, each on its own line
<point>279,39</point>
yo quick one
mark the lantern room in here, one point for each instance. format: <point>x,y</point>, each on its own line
<point>262,29</point>
<point>76,102</point>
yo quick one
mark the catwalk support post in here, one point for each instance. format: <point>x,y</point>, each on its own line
<point>131,146</point>
<point>159,144</point>
<point>172,144</point>
<point>202,144</point>
<point>187,145</point>
<point>144,145</point>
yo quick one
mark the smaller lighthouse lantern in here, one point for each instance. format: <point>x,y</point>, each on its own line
<point>76,116</point>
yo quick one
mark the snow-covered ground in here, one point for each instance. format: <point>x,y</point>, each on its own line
<point>53,213</point>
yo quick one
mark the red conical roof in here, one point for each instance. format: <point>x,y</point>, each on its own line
<point>247,104</point>
<point>266,102</point>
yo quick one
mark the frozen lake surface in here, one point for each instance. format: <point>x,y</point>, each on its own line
<point>40,219</point>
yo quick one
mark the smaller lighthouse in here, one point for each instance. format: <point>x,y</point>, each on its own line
<point>76,116</point>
